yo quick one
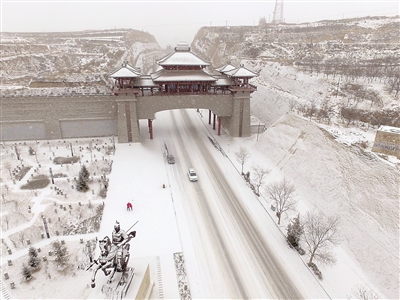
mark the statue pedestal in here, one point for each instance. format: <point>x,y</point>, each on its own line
<point>140,281</point>
<point>119,288</point>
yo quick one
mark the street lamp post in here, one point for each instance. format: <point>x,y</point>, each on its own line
<point>72,151</point>
<point>45,227</point>
<point>51,176</point>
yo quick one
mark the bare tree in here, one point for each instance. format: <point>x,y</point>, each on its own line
<point>312,109</point>
<point>365,294</point>
<point>394,85</point>
<point>7,165</point>
<point>319,234</point>
<point>259,175</point>
<point>283,194</point>
<point>6,220</point>
<point>292,104</point>
<point>21,237</point>
<point>326,110</point>
<point>242,155</point>
<point>5,191</point>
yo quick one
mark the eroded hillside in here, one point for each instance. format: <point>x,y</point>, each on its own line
<point>363,41</point>
<point>71,62</point>
<point>345,70</point>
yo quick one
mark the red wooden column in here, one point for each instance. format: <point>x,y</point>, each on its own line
<point>151,128</point>
<point>214,121</point>
<point>209,116</point>
<point>219,125</point>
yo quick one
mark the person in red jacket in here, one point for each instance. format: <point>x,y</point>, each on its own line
<point>129,206</point>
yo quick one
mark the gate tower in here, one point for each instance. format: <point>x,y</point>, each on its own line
<point>181,81</point>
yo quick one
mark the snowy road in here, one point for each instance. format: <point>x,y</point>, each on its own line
<point>236,255</point>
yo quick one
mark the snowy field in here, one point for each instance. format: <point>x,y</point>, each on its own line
<point>330,177</point>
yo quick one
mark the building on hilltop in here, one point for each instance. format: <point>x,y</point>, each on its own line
<point>387,141</point>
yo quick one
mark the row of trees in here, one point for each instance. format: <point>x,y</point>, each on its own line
<point>385,70</point>
<point>61,259</point>
<point>319,233</point>
<point>349,114</point>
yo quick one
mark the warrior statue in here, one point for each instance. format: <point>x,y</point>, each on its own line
<point>114,254</point>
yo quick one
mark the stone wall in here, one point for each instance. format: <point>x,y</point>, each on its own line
<point>34,118</point>
<point>29,118</point>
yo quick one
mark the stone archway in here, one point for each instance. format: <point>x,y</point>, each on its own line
<point>232,110</point>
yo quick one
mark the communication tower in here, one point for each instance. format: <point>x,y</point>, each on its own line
<point>278,12</point>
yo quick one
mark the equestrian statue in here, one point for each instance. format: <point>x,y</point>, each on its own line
<point>114,254</point>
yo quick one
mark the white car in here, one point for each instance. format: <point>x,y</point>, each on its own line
<point>192,175</point>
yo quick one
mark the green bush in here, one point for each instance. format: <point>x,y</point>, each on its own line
<point>37,182</point>
<point>60,175</point>
<point>22,172</point>
<point>315,270</point>
<point>65,160</point>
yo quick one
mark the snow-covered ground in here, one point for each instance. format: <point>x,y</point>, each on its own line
<point>330,177</point>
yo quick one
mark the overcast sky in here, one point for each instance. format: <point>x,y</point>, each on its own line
<point>174,21</point>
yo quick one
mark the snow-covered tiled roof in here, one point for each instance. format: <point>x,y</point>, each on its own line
<point>145,81</point>
<point>223,80</point>
<point>225,68</point>
<point>182,57</point>
<point>241,72</point>
<point>181,75</point>
<point>126,71</point>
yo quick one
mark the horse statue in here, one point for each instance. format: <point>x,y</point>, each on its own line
<point>114,256</point>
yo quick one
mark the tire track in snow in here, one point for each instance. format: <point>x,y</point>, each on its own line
<point>269,268</point>
<point>214,234</point>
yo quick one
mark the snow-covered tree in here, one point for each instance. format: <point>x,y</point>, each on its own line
<point>320,233</point>
<point>242,155</point>
<point>282,193</point>
<point>259,176</point>
<point>34,261</point>
<point>61,255</point>
<point>294,232</point>
<point>26,273</point>
<point>83,179</point>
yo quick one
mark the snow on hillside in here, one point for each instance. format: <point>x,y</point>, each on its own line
<point>330,177</point>
<point>278,85</point>
<point>68,63</point>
